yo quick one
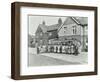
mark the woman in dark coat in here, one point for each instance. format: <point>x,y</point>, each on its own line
<point>76,50</point>
<point>38,50</point>
<point>60,49</point>
<point>56,49</point>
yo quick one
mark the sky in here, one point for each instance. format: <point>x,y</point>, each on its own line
<point>35,20</point>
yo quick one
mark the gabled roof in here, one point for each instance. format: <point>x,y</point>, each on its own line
<point>68,21</point>
<point>53,27</point>
<point>43,27</point>
<point>46,28</point>
<point>80,20</point>
<point>77,20</point>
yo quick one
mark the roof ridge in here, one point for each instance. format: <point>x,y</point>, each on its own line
<point>75,20</point>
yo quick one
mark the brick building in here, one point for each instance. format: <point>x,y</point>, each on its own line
<point>72,32</point>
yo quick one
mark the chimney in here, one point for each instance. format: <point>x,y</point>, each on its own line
<point>43,22</point>
<point>59,21</point>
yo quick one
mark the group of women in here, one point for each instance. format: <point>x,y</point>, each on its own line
<point>68,48</point>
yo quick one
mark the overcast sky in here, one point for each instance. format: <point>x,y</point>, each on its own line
<point>34,21</point>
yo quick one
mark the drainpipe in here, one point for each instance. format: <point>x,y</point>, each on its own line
<point>83,39</point>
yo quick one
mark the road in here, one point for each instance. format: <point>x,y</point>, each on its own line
<point>40,60</point>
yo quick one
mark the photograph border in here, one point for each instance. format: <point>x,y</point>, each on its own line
<point>15,39</point>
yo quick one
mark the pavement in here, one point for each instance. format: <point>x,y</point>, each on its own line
<point>80,58</point>
<point>41,60</point>
<point>46,59</point>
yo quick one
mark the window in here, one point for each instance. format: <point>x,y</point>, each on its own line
<point>65,29</point>
<point>50,34</point>
<point>41,34</point>
<point>74,30</point>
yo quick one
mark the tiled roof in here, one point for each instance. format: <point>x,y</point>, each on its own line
<point>46,28</point>
<point>77,20</point>
<point>80,20</point>
<point>53,27</point>
<point>68,20</point>
<point>43,27</point>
